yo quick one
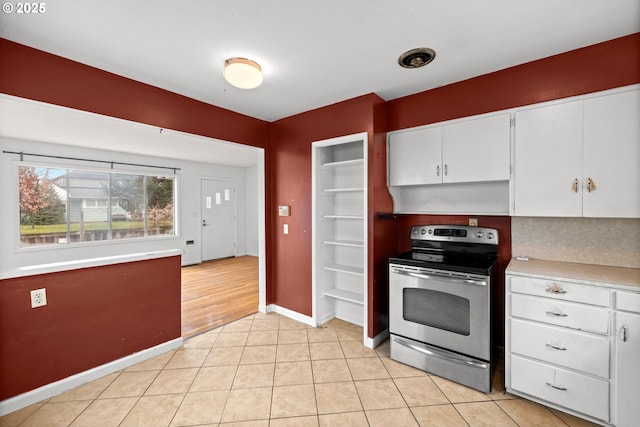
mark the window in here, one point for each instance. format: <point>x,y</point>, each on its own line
<point>66,206</point>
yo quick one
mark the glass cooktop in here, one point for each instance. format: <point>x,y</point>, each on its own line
<point>476,264</point>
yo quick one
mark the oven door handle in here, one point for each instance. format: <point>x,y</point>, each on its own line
<point>433,276</point>
<point>441,354</point>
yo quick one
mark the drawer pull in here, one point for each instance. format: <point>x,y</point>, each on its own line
<point>624,333</point>
<point>555,289</point>
<point>557,387</point>
<point>555,347</point>
<point>556,314</point>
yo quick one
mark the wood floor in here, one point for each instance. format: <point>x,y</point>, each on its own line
<point>217,292</point>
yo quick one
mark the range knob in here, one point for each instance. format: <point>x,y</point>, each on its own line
<point>423,231</point>
<point>490,235</point>
<point>480,234</point>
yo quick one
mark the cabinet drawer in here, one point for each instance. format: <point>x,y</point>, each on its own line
<point>574,391</point>
<point>567,314</point>
<point>575,350</point>
<point>561,290</point>
<point>628,301</point>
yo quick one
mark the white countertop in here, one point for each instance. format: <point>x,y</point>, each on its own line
<point>617,277</point>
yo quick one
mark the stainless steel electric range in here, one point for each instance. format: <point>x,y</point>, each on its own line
<point>440,302</point>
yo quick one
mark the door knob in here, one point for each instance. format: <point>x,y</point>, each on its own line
<point>204,222</point>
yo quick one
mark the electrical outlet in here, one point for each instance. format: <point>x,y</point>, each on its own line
<point>473,222</point>
<point>38,298</point>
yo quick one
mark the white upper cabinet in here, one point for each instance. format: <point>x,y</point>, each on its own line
<point>611,147</point>
<point>415,157</point>
<point>548,161</point>
<point>579,158</point>
<point>474,150</point>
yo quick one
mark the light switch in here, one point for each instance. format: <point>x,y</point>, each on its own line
<point>286,229</point>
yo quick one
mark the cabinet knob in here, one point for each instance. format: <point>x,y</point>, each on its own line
<point>557,387</point>
<point>556,314</point>
<point>555,347</point>
<point>554,288</point>
<point>574,186</point>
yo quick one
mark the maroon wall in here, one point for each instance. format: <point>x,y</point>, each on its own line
<point>291,140</point>
<point>602,66</point>
<point>93,316</point>
<point>34,74</point>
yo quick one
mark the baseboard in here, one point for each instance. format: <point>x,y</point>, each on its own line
<point>377,340</point>
<point>53,389</point>
<point>272,308</point>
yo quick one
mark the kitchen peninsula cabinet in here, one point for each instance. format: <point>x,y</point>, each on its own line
<point>339,230</point>
<point>571,339</point>
<point>579,158</point>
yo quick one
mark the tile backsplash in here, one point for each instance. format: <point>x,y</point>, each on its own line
<point>604,241</point>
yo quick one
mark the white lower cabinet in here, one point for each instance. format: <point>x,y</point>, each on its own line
<point>563,387</point>
<point>574,345</point>
<point>627,366</point>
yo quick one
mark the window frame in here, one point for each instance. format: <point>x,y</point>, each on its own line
<point>69,166</point>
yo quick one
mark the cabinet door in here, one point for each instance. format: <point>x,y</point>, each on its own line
<point>548,160</point>
<point>611,148</point>
<point>477,150</point>
<point>415,157</point>
<point>628,369</point>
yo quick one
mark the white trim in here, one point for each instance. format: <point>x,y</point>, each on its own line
<point>290,314</point>
<point>54,267</point>
<point>52,389</point>
<point>377,340</point>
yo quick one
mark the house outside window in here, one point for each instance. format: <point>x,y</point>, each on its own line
<point>66,206</point>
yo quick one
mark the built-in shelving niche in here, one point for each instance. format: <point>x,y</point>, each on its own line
<point>339,186</point>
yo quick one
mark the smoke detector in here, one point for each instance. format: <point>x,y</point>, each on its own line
<point>416,58</point>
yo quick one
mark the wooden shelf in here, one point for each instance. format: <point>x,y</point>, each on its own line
<point>358,271</point>
<point>343,295</point>
<point>354,162</point>
<point>350,243</point>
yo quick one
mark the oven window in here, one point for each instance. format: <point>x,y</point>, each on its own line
<point>436,309</point>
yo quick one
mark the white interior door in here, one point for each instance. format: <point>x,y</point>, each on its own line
<point>218,219</point>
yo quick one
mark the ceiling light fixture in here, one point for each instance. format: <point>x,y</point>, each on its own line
<point>416,58</point>
<point>242,73</point>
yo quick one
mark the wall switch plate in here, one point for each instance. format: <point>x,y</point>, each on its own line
<point>38,298</point>
<point>473,222</point>
<point>286,229</point>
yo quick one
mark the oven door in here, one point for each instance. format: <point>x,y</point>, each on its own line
<point>447,311</point>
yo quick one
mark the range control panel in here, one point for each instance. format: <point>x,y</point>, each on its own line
<point>455,233</point>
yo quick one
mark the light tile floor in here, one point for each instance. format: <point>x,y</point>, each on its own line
<point>268,370</point>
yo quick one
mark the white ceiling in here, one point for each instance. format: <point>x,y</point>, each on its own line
<point>313,53</point>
